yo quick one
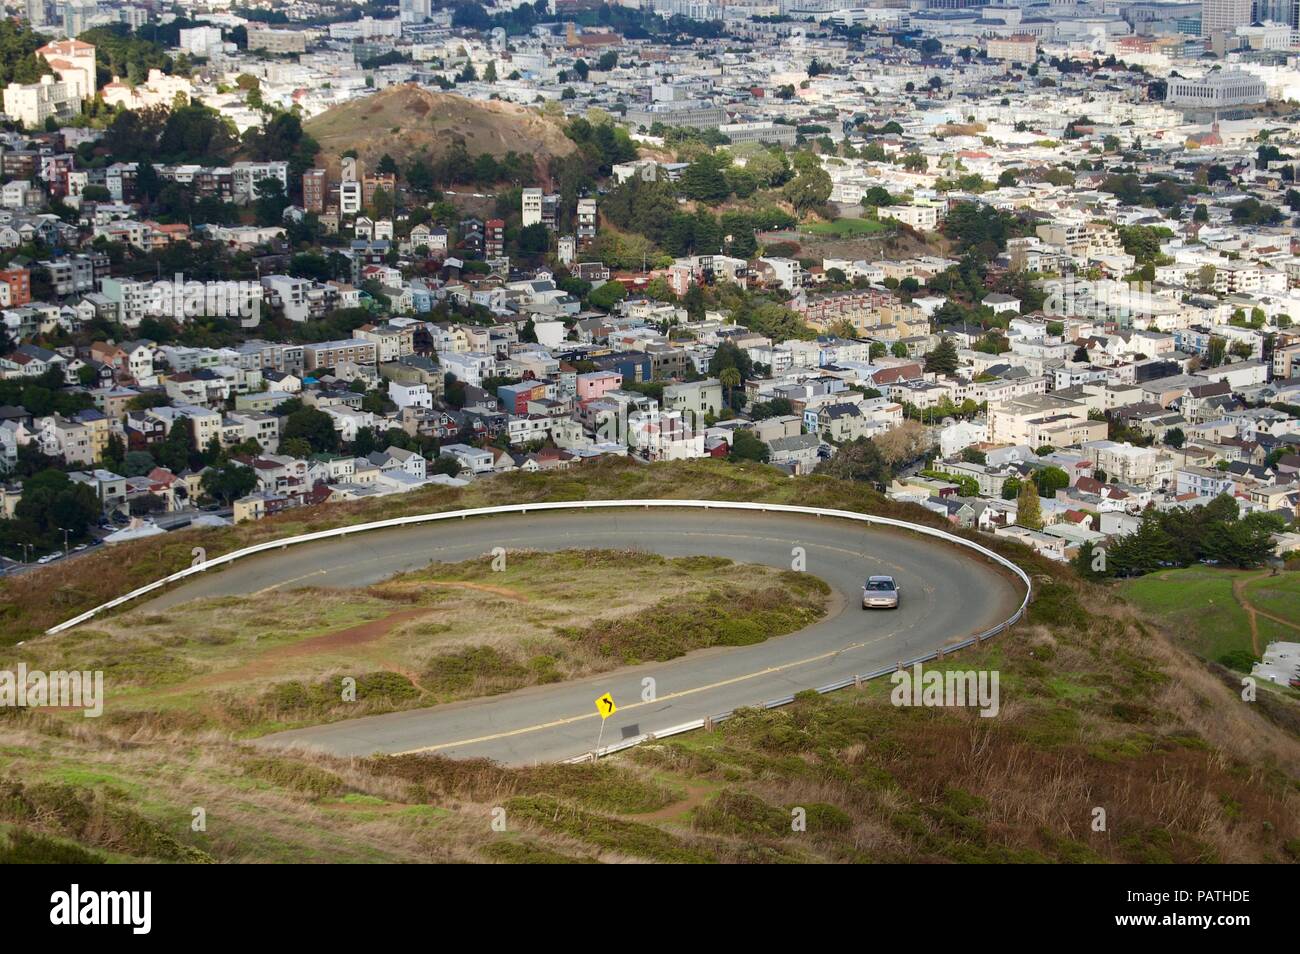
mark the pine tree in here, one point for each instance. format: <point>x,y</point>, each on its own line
<point>1146,549</point>
<point>1029,512</point>
<point>943,359</point>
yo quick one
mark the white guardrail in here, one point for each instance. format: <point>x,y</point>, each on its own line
<point>856,680</point>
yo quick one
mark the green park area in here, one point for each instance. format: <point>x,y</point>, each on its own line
<point>845,228</point>
<point>1228,616</point>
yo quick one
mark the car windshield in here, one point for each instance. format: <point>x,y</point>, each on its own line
<point>880,585</point>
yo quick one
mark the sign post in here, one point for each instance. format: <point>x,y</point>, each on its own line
<point>605,706</point>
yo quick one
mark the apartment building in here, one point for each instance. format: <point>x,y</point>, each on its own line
<point>696,397</point>
<point>586,222</point>
<point>531,207</point>
<point>1139,466</point>
<point>330,354</point>
<point>246,175</point>
<point>15,287</point>
<point>924,218</point>
<point>472,367</point>
<point>494,238</point>
<point>315,190</point>
<point>1015,421</point>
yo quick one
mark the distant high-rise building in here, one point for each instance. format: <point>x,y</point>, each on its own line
<point>414,11</point>
<point>1277,11</point>
<point>315,189</point>
<point>36,13</point>
<point>77,15</point>
<point>1224,16</point>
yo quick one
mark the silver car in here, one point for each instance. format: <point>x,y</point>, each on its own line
<point>880,592</point>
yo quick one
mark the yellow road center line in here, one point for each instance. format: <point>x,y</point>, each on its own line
<point>634,705</point>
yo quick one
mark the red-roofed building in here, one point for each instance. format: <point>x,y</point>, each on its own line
<point>74,62</point>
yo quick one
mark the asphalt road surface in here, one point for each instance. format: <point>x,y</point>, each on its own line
<point>947,595</point>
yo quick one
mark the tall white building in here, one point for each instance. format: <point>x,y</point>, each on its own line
<point>1224,16</point>
<point>201,40</point>
<point>531,207</point>
<point>74,62</point>
<point>33,103</point>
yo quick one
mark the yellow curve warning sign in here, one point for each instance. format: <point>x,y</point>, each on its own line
<point>605,706</point>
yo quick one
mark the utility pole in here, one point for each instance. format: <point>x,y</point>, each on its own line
<point>65,539</point>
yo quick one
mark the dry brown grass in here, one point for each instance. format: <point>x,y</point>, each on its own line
<point>447,632</point>
<point>1099,709</point>
<point>1108,713</point>
<point>405,121</point>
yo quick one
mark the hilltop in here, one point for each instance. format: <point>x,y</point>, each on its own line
<point>405,121</point>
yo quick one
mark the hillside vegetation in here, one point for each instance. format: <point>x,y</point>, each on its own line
<point>1100,709</point>
<point>272,661</point>
<point>409,121</point>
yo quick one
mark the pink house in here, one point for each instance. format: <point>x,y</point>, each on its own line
<point>594,384</point>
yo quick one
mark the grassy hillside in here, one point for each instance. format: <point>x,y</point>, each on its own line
<point>273,661</point>
<point>406,121</point>
<point>1224,616</point>
<point>1098,711</point>
<point>1100,708</point>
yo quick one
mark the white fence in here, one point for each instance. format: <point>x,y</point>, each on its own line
<point>603,504</point>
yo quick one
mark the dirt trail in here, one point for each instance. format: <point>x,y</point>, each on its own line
<point>1252,612</point>
<point>696,795</point>
<point>267,663</point>
<point>456,585</point>
<point>1239,594</point>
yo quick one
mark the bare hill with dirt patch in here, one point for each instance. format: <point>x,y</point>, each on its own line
<point>406,121</point>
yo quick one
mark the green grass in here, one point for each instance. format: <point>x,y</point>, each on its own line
<point>1279,595</point>
<point>846,228</point>
<point>1091,716</point>
<point>1197,604</point>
